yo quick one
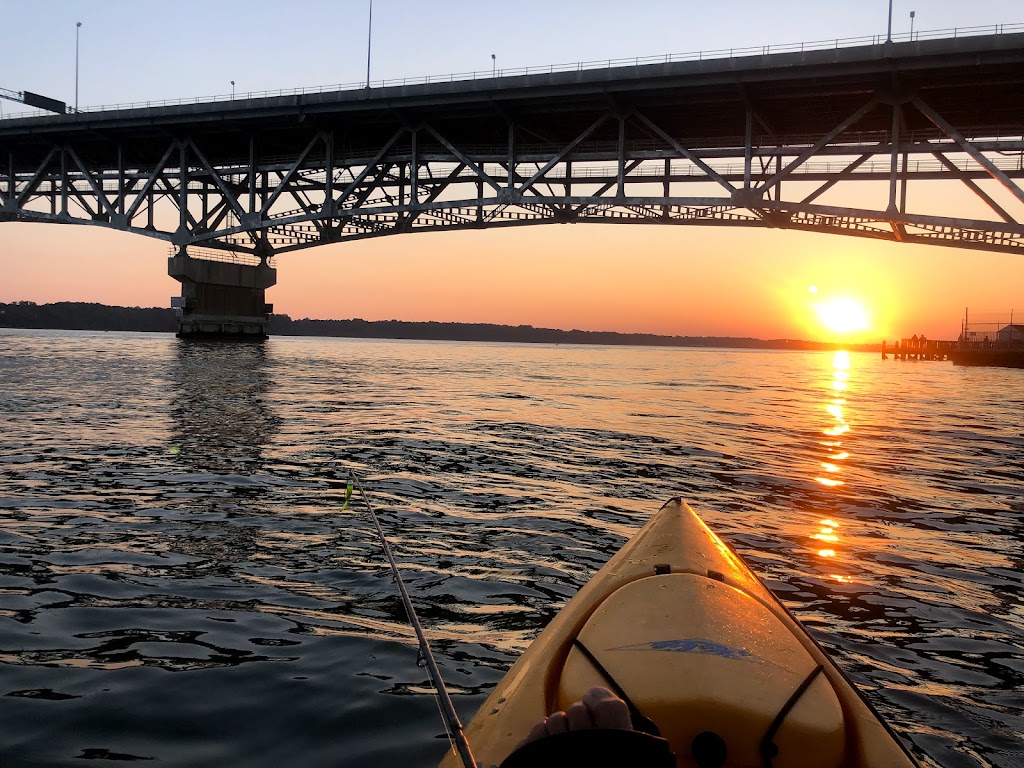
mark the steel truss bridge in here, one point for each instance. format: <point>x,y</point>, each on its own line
<point>783,140</point>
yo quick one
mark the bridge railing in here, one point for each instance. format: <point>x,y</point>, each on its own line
<point>794,145</point>
<point>654,168</point>
<point>579,66</point>
<point>214,254</point>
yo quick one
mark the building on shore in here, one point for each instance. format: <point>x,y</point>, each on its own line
<point>1012,333</point>
<point>990,339</point>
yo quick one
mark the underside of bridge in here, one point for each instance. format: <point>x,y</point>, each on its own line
<point>793,141</point>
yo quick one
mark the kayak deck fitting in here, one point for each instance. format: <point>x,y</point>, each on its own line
<point>680,628</point>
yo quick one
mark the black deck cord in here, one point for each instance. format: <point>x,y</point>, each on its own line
<point>640,722</point>
<point>768,748</point>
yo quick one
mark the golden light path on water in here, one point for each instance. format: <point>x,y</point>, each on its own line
<point>826,535</point>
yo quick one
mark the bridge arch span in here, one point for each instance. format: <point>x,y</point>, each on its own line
<point>768,141</point>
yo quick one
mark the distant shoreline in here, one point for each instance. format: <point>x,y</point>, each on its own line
<point>82,316</point>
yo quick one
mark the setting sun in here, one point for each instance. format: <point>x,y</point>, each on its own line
<point>843,315</point>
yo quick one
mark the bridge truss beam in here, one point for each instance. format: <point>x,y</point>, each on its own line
<point>622,167</point>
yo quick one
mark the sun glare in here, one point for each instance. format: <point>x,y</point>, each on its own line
<point>843,315</point>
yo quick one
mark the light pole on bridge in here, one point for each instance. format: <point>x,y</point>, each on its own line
<point>912,26</point>
<point>232,90</point>
<point>888,35</point>
<point>494,63</point>
<point>78,28</point>
<point>369,42</point>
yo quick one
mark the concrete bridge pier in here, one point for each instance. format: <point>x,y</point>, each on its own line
<point>221,299</point>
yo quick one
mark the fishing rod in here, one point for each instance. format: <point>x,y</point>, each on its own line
<point>448,714</point>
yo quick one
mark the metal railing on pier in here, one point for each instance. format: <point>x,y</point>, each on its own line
<point>992,331</point>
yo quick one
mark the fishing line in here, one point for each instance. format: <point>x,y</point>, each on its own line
<point>455,734</point>
<point>440,712</point>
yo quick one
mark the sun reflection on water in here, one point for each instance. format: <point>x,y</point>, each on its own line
<point>826,533</point>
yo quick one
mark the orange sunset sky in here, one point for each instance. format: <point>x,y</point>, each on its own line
<point>659,279</point>
<point>673,280</point>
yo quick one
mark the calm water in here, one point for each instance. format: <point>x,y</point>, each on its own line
<point>178,584</point>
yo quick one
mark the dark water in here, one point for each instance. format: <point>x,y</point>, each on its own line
<point>178,585</point>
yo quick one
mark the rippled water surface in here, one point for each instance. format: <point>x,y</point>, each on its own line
<point>177,583</point>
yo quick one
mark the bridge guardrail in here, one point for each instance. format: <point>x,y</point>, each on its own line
<point>1013,164</point>
<point>214,254</point>
<point>579,66</point>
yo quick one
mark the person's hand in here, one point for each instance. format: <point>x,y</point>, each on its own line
<point>600,708</point>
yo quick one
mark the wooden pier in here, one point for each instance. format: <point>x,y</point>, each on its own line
<point>993,341</point>
<point>916,348</point>
<point>988,353</point>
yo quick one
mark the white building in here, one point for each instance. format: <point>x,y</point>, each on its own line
<point>1011,333</point>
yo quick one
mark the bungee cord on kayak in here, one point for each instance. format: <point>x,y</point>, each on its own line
<point>425,656</point>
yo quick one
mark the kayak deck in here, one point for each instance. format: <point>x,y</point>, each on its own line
<point>678,624</point>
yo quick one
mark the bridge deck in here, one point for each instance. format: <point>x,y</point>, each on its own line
<point>974,82</point>
<point>770,140</point>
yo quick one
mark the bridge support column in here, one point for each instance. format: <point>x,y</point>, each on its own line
<point>221,300</point>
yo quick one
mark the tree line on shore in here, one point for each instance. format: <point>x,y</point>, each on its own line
<point>68,315</point>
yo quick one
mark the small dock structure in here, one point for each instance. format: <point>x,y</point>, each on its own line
<point>992,339</point>
<point>988,340</point>
<point>919,348</point>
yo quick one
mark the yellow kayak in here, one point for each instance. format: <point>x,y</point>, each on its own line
<point>678,626</point>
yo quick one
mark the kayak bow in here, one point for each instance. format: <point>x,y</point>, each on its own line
<point>693,640</point>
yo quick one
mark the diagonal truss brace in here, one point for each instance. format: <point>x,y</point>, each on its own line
<point>36,177</point>
<point>229,198</point>
<point>150,182</point>
<point>370,166</point>
<point>684,152</point>
<point>843,174</point>
<point>463,159</point>
<point>816,147</point>
<point>949,165</point>
<point>967,147</point>
<point>96,189</point>
<point>287,177</point>
<point>561,155</point>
